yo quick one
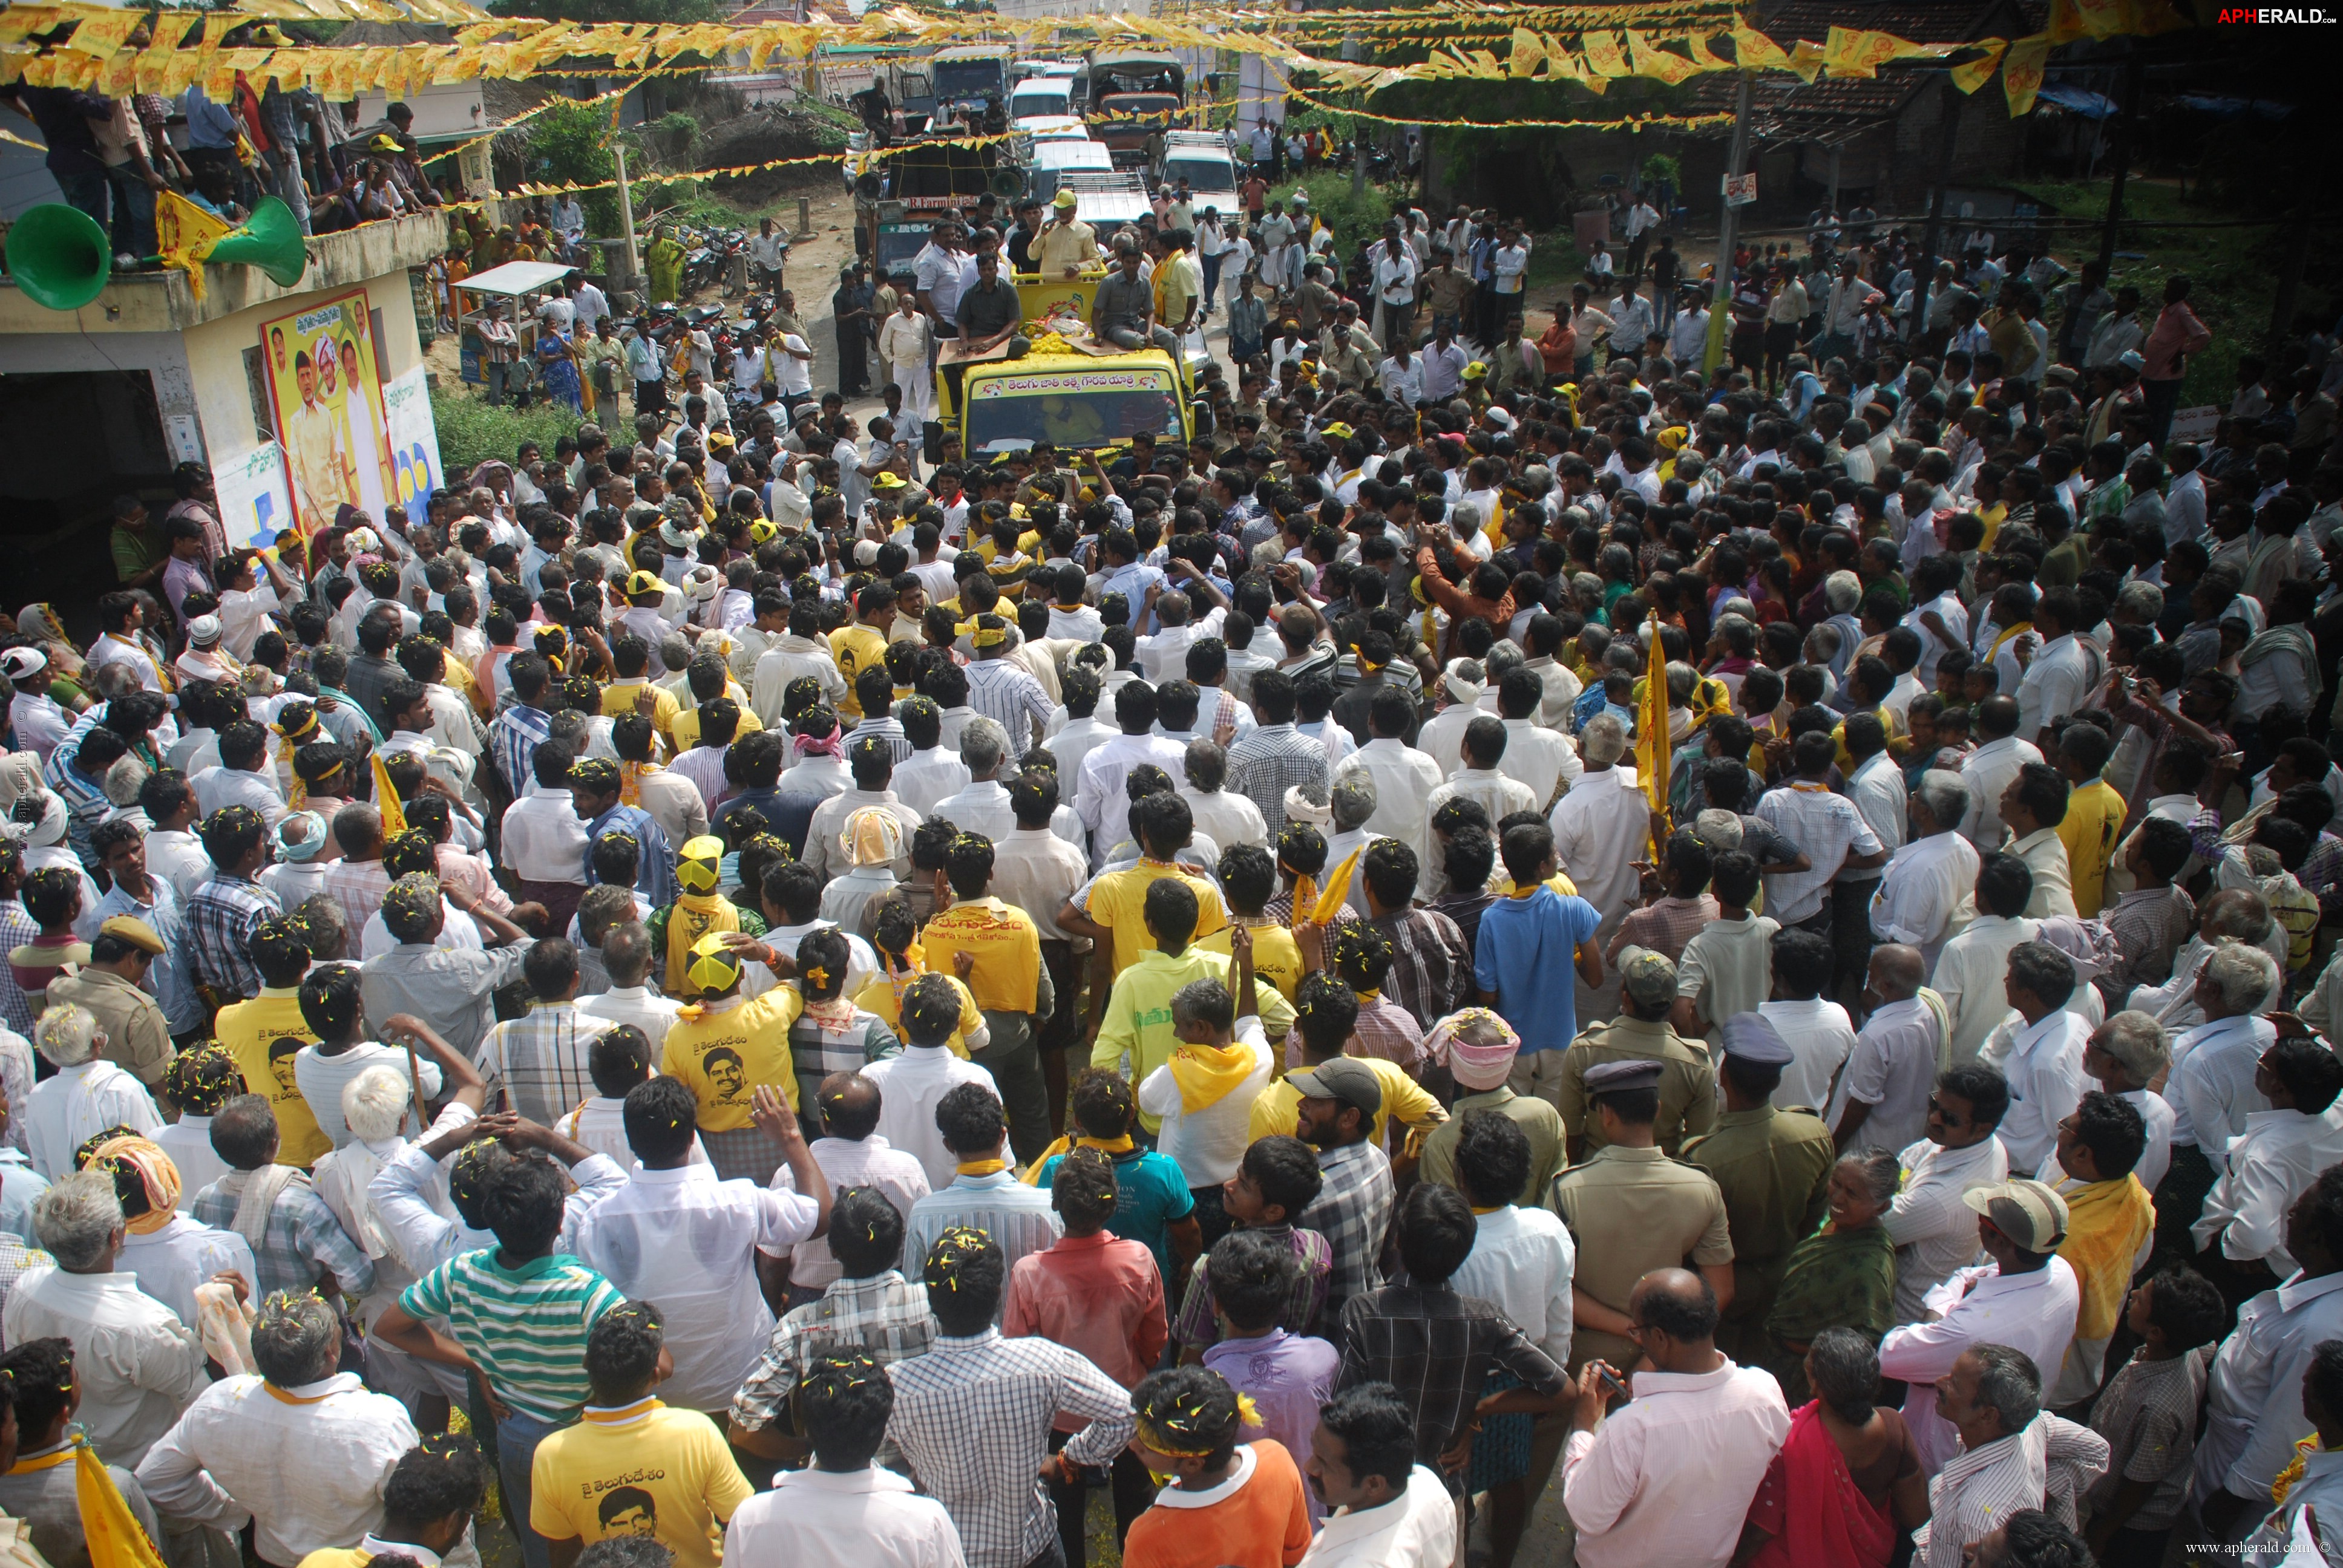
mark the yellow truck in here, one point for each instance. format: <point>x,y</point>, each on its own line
<point>1066,388</point>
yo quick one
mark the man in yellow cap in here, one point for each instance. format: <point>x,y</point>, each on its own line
<point>725,1046</point>
<point>1067,245</point>
<point>697,913</point>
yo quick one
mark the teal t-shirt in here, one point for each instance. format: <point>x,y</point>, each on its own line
<point>1150,1194</point>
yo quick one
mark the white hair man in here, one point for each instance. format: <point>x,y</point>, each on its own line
<point>140,1367</point>
<point>2211,1084</point>
<point>1600,828</point>
<point>87,1095</point>
<point>302,1451</point>
<point>1921,891</point>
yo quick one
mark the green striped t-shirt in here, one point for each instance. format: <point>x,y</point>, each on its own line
<point>525,1329</point>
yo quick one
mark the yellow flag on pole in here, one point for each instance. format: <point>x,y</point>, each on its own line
<point>185,235</point>
<point>1652,723</point>
<point>111,1532</point>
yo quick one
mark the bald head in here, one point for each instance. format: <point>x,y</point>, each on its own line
<point>1675,1313</point>
<point>1896,972</point>
<point>849,1106</point>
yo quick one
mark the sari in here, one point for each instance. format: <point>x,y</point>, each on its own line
<point>1834,1279</point>
<point>1811,1507</point>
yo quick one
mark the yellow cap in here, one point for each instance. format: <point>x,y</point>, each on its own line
<point>713,966</point>
<point>642,582</point>
<point>1063,199</point>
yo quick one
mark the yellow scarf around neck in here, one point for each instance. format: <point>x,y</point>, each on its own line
<point>1108,1147</point>
<point>980,1167</point>
<point>1208,1074</point>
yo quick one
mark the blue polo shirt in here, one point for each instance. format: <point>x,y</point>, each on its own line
<point>1151,1195</point>
<point>1532,943</point>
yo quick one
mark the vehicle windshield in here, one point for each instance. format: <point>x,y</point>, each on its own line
<point>1041,101</point>
<point>967,78</point>
<point>1201,173</point>
<point>899,247</point>
<point>1081,417</point>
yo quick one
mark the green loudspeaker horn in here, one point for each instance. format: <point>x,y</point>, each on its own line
<point>59,256</point>
<point>270,239</point>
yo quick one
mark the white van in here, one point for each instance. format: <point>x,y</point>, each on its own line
<point>1038,95</point>
<point>1201,158</point>
<point>1054,161</point>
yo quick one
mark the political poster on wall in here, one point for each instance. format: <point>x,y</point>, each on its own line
<point>329,410</point>
<point>256,501</point>
<point>414,440</point>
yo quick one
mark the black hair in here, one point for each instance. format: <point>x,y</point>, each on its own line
<point>965,1272</point>
<point>1251,1276</point>
<point>2187,1307</point>
<point>1985,1089</point>
<point>522,1199</point>
<point>970,1119</point>
<point>618,1059</point>
<point>1493,1159</point>
<point>439,1476</point>
<point>660,1117</point>
<point>1101,1103</point>
<point>1083,1189</point>
<point>1435,1230</point>
<point>845,1401</point>
<point>2111,1129</point>
<point>1286,1172</point>
<point>623,1348</point>
<point>1377,1431</point>
<point>866,1232</point>
<point>1191,1406</point>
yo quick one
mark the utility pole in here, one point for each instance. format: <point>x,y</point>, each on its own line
<point>1948,130</point>
<point>1727,231</point>
<point>627,215</point>
<point>2126,114</point>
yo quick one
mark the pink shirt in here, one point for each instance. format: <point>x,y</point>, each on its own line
<point>1099,1295</point>
<point>1668,1477</point>
<point>2178,332</point>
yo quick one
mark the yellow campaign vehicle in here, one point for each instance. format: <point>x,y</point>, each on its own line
<point>1067,388</point>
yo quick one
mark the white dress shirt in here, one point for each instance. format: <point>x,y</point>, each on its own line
<point>600,1124</point>
<point>1878,793</point>
<point>1821,1037</point>
<point>909,1087</point>
<point>1922,891</point>
<point>2062,674</point>
<point>86,1099</point>
<point>687,1239</point>
<point>869,1518</point>
<point>638,1005</point>
<point>1934,1230</point>
<point>1828,828</point>
<point>1988,772</point>
<point>1038,871</point>
<point>1524,1260</point>
<point>137,1366</point>
<point>850,1163</point>
<point>2211,1083</point>
<point>1972,974</point>
<point>2033,1312</point>
<point>2043,1064</point>
<point>1667,1477</point>
<point>2253,1395</point>
<point>2271,1163</point>
<point>1891,1070</point>
<point>928,777</point>
<point>1225,818</point>
<point>308,1469</point>
<point>169,1263</point>
<point>189,1142</point>
<point>1600,830</point>
<point>1417,1529</point>
<point>1403,778</point>
<point>543,840</point>
<point>2045,854</point>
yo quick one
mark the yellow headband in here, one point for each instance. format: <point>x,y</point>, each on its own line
<point>981,637</point>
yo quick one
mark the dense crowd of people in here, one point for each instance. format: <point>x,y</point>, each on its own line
<point>724,991</point>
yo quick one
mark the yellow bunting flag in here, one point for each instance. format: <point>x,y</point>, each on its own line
<point>1968,78</point>
<point>2021,72</point>
<point>1756,52</point>
<point>1651,60</point>
<point>1603,57</point>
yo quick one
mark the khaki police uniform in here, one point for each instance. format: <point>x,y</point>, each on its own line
<point>1687,1082</point>
<point>1773,1169</point>
<point>1632,1211</point>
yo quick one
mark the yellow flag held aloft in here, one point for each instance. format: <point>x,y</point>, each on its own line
<point>1652,723</point>
<point>386,800</point>
<point>185,235</point>
<point>113,1534</point>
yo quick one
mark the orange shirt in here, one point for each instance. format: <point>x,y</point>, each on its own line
<point>1257,1518</point>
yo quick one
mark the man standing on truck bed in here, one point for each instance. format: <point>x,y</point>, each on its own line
<point>1066,245</point>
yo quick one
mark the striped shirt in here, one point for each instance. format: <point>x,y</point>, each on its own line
<point>1008,694</point>
<point>1267,762</point>
<point>221,918</point>
<point>1352,1211</point>
<point>525,1328</point>
<point>1021,1218</point>
<point>539,1059</point>
<point>2044,1466</point>
<point>513,741</point>
<point>883,1314</point>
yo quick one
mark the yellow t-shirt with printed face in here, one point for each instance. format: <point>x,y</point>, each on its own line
<point>725,1055</point>
<point>644,1470</point>
<point>1119,902</point>
<point>264,1035</point>
<point>856,648</point>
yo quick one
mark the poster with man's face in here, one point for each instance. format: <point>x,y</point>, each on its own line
<point>330,412</point>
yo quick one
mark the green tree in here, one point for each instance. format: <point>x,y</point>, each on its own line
<point>569,144</point>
